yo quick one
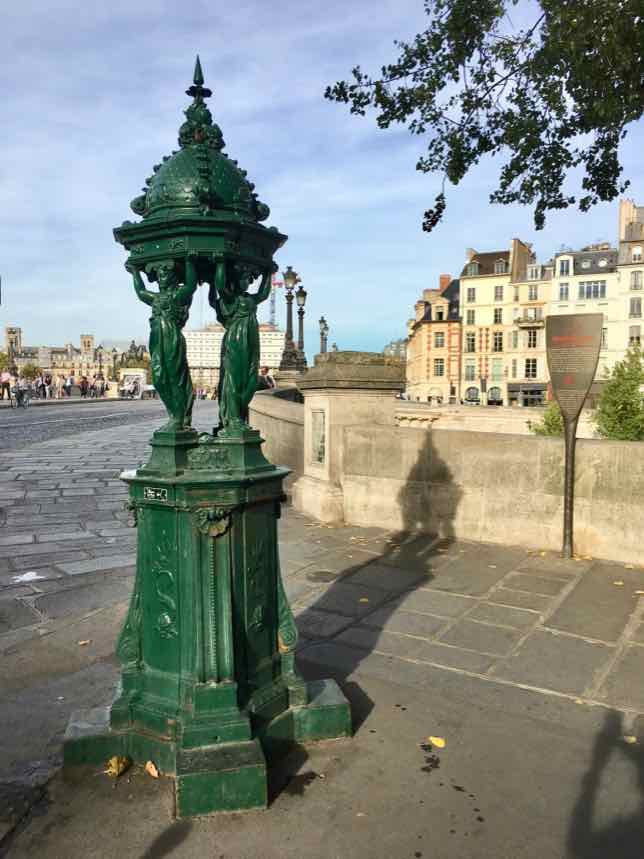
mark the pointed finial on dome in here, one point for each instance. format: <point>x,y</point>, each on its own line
<point>198,90</point>
<point>198,76</point>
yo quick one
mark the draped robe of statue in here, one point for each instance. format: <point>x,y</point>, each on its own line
<point>236,310</point>
<point>170,309</point>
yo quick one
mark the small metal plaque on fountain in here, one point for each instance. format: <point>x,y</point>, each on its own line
<point>572,346</point>
<point>153,493</point>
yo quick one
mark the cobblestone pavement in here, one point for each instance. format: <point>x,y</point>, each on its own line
<point>369,603</point>
<point>42,421</point>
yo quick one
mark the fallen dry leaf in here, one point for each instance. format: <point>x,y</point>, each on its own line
<point>543,554</point>
<point>629,567</point>
<point>438,742</point>
<point>363,599</point>
<point>639,592</point>
<point>84,642</point>
<point>321,775</point>
<point>117,765</point>
<point>630,739</point>
<point>151,769</point>
<point>361,814</point>
<point>492,566</point>
<point>619,583</point>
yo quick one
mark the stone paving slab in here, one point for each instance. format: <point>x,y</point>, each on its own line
<point>598,607</point>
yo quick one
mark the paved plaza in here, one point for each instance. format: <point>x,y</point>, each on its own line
<point>530,668</point>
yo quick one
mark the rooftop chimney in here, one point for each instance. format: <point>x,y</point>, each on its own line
<point>444,281</point>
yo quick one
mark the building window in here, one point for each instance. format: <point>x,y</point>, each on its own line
<point>439,315</point>
<point>439,340</point>
<point>470,372</point>
<point>498,315</point>
<point>471,294</point>
<point>634,335</point>
<point>469,319</point>
<point>497,343</point>
<point>563,292</point>
<point>499,267</point>
<point>533,272</point>
<point>533,292</point>
<point>439,367</point>
<point>516,293</point>
<point>636,307</point>
<point>532,314</point>
<point>515,339</point>
<point>472,269</point>
<point>497,370</point>
<point>636,254</point>
<point>498,293</point>
<point>472,394</point>
<point>636,280</point>
<point>531,368</point>
<point>494,395</point>
<point>532,338</point>
<point>470,342</point>
<point>591,289</point>
<point>564,267</point>
<point>514,368</point>
<point>604,344</point>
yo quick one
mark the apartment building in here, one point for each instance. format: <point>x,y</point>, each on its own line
<point>434,345</point>
<point>503,295</point>
<point>630,271</point>
<point>587,281</point>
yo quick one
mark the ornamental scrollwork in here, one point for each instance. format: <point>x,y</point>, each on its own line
<point>209,455</point>
<point>212,521</point>
<point>133,513</point>
<point>166,624</point>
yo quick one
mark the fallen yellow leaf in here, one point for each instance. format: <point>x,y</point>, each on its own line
<point>151,769</point>
<point>629,567</point>
<point>543,554</point>
<point>117,765</point>
<point>492,566</point>
<point>438,742</point>
<point>639,592</point>
<point>84,642</point>
<point>619,583</point>
<point>630,739</point>
<point>363,599</point>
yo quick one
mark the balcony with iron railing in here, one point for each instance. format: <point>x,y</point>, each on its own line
<point>532,318</point>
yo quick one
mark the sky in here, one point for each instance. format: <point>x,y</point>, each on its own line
<point>93,96</point>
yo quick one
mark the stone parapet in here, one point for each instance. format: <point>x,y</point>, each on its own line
<point>355,371</point>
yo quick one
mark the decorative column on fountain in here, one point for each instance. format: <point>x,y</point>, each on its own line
<point>208,686</point>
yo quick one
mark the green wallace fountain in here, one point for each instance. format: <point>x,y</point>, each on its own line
<point>208,688</point>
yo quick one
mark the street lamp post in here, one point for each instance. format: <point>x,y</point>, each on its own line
<point>324,334</point>
<point>114,354</point>
<point>300,297</point>
<point>290,354</point>
<point>100,352</point>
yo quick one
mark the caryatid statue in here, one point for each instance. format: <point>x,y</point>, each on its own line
<point>236,310</point>
<point>170,309</point>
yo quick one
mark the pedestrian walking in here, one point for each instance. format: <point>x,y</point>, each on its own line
<point>69,381</point>
<point>84,387</point>
<point>48,386</point>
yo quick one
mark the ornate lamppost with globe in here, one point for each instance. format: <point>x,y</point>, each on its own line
<point>324,335</point>
<point>300,298</point>
<point>290,353</point>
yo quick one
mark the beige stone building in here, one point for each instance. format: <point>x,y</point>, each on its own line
<point>434,345</point>
<point>503,296</point>
<point>630,270</point>
<point>84,360</point>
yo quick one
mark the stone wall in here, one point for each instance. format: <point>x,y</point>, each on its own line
<point>495,488</point>
<point>280,421</point>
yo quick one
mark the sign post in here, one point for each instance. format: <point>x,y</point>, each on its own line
<point>572,347</point>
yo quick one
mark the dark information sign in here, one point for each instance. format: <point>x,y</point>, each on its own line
<point>572,347</point>
<point>573,344</point>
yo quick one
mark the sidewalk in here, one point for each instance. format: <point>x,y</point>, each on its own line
<point>515,658</point>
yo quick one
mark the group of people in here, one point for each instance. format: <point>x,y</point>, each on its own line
<point>48,387</point>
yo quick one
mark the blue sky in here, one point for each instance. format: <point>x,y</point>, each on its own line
<point>93,96</point>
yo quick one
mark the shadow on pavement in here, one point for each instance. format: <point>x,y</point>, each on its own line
<point>358,606</point>
<point>624,837</point>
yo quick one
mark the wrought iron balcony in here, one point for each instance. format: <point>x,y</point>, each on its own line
<point>525,321</point>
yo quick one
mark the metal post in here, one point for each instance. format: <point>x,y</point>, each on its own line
<point>570,435</point>
<point>289,316</point>
<point>300,329</point>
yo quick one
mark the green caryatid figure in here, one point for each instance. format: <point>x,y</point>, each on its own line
<point>236,310</point>
<point>170,308</point>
